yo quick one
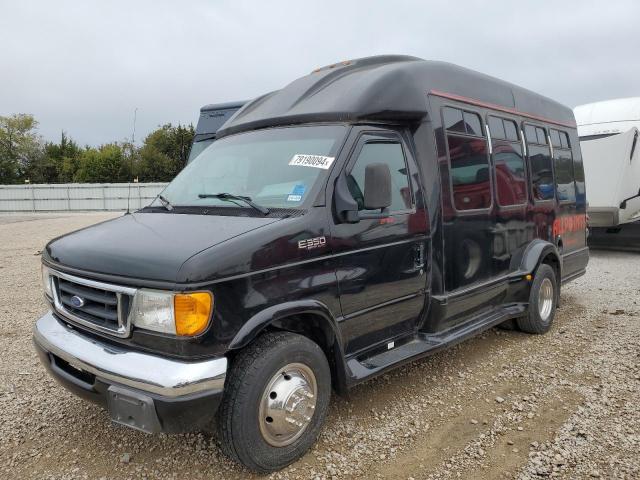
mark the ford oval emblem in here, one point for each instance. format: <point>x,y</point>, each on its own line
<point>77,301</point>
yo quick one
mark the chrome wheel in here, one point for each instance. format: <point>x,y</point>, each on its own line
<point>288,404</point>
<point>545,299</point>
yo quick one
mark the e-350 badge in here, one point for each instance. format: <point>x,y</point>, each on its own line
<point>311,243</point>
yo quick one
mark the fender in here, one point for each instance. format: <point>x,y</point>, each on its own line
<point>256,324</point>
<point>266,317</point>
<point>535,252</point>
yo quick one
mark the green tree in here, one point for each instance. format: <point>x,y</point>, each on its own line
<point>20,146</point>
<point>106,164</point>
<point>57,164</point>
<point>164,153</point>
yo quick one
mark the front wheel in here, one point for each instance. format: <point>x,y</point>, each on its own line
<point>275,401</point>
<point>543,299</point>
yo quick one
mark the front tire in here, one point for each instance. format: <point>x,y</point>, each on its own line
<point>543,300</point>
<point>275,401</point>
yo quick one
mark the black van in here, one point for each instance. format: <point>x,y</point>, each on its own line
<point>212,117</point>
<point>370,213</point>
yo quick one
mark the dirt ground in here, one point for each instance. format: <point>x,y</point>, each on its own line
<point>502,405</point>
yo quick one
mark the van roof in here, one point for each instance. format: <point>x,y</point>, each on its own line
<point>222,106</point>
<point>384,88</point>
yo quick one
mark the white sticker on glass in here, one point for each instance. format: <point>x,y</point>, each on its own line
<point>315,161</point>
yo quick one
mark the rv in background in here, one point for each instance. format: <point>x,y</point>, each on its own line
<point>609,142</point>
<point>212,117</point>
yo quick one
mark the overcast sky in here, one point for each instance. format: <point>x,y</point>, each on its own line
<point>84,66</point>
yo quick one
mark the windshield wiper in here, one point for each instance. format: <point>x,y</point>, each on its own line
<point>235,199</point>
<point>165,203</point>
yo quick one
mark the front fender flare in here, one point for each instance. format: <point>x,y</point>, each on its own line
<point>269,315</point>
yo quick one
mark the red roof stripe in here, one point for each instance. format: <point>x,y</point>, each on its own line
<point>513,111</point>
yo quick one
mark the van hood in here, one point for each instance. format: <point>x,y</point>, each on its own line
<point>151,246</point>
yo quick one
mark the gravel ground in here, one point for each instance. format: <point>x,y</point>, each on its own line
<point>502,405</point>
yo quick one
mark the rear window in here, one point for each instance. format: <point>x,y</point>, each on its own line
<point>563,164</point>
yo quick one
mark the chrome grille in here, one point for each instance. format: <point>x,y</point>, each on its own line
<point>97,305</point>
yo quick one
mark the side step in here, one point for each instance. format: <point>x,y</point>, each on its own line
<point>425,344</point>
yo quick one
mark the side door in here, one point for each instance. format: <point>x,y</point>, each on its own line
<point>381,262</point>
<point>468,219</point>
<point>512,231</point>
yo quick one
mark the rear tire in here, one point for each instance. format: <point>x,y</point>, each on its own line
<point>543,300</point>
<point>275,401</point>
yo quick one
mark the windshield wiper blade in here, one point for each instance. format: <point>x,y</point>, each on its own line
<point>165,203</point>
<point>236,198</point>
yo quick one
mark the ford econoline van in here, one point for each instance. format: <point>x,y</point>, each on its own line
<point>368,214</point>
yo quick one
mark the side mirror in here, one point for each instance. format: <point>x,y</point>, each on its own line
<point>377,186</point>
<point>623,204</point>
<point>376,195</point>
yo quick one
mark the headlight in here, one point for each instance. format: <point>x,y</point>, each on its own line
<point>174,313</point>
<point>46,283</point>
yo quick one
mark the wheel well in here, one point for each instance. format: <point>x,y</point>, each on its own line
<point>553,262</point>
<point>315,328</point>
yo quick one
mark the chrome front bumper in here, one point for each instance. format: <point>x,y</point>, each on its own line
<point>111,364</point>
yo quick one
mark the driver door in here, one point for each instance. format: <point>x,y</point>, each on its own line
<point>381,262</point>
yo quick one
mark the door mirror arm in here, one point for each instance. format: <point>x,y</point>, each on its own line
<point>383,213</point>
<point>345,204</point>
<point>623,204</point>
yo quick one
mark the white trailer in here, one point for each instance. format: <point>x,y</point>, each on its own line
<point>610,145</point>
<point>609,142</point>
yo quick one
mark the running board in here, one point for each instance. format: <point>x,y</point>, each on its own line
<point>424,344</point>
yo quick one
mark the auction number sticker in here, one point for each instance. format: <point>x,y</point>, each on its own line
<point>315,161</point>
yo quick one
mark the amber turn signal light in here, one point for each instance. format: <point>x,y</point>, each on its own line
<point>192,312</point>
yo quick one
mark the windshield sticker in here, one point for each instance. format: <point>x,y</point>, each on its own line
<point>297,193</point>
<point>315,161</point>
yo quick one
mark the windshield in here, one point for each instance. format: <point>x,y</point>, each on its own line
<point>198,147</point>
<point>275,168</point>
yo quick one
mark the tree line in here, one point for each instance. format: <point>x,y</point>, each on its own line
<point>26,158</point>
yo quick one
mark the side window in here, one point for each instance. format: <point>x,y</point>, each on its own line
<point>511,179</point>
<point>578,170</point>
<point>563,163</point>
<point>540,165</point>
<point>382,152</point>
<point>468,163</point>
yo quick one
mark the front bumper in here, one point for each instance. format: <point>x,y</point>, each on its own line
<point>140,390</point>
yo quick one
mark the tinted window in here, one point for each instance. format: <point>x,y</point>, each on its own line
<point>469,171</point>
<point>578,171</point>
<point>542,138</point>
<point>391,154</point>
<point>541,172</point>
<point>496,127</point>
<point>565,184</point>
<point>511,186</point>
<point>564,140</point>
<point>453,120</point>
<point>530,134</point>
<point>456,120</point>
<point>555,138</point>
<point>473,124</point>
<point>511,130</point>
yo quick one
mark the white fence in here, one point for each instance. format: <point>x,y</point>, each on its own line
<point>77,196</point>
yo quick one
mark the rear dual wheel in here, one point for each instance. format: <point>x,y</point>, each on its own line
<point>275,401</point>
